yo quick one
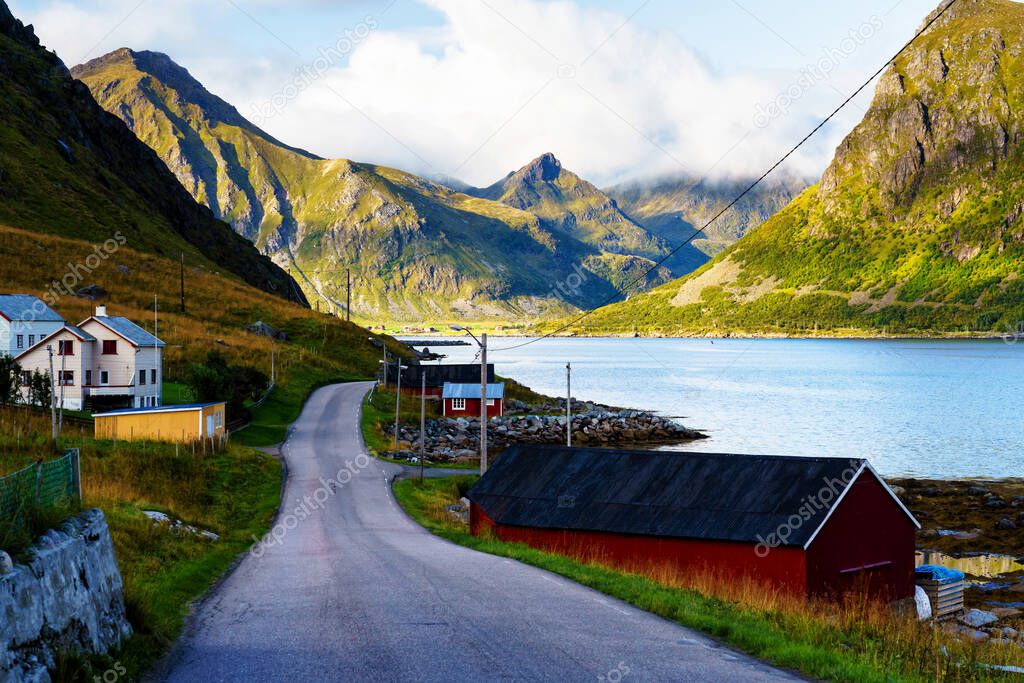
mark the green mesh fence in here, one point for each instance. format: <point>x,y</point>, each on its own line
<point>41,486</point>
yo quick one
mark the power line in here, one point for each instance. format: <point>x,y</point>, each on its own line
<point>641,278</point>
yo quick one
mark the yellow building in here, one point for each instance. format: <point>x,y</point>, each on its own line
<point>183,424</point>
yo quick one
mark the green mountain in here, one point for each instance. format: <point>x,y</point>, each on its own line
<point>69,168</point>
<point>914,227</point>
<point>417,250</point>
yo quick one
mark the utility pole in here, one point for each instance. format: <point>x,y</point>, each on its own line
<point>182,282</point>
<point>53,399</point>
<point>398,396</point>
<point>568,404</point>
<point>273,361</point>
<point>423,420</point>
<point>60,407</point>
<point>348,295</point>
<point>483,404</point>
<point>156,318</point>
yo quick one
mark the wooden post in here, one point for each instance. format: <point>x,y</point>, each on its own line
<point>39,482</point>
<point>423,420</point>
<point>76,455</point>
<point>483,404</point>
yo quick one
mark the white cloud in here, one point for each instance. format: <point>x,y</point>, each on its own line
<point>490,86</point>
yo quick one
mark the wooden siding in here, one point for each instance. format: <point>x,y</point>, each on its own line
<point>185,426</point>
<point>867,542</point>
<point>473,408</point>
<point>784,568</point>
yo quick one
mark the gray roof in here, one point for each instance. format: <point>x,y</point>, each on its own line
<point>129,330</point>
<point>27,308</point>
<point>743,498</point>
<point>80,333</point>
<point>494,391</point>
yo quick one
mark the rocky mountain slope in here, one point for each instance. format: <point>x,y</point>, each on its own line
<point>69,168</point>
<point>674,208</point>
<point>914,227</point>
<point>418,251</point>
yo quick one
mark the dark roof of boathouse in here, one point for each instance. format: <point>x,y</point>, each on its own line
<point>705,496</point>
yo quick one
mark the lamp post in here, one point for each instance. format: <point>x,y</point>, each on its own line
<point>423,422</point>
<point>398,397</point>
<point>482,343</point>
<point>377,342</point>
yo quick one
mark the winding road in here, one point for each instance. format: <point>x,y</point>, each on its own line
<point>348,588</point>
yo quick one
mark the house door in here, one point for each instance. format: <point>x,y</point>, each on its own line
<point>209,425</point>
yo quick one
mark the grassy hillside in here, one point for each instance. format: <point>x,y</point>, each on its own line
<point>69,168</point>
<point>418,251</point>
<point>319,346</point>
<point>915,228</point>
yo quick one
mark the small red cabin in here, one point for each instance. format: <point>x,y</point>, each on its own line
<point>813,526</point>
<point>463,400</point>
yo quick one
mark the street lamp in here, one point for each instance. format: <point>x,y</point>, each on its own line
<point>398,393</point>
<point>377,342</point>
<point>482,343</point>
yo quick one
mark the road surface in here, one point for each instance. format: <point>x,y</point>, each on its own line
<point>348,588</point>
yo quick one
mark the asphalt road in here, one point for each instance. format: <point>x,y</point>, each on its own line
<point>356,591</point>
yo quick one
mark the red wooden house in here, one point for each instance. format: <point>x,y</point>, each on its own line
<point>814,526</point>
<point>463,400</point>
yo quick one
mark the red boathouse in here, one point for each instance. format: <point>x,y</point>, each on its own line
<point>813,526</point>
<point>463,400</point>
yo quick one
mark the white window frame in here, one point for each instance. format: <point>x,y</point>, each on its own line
<point>458,404</point>
<point>21,341</point>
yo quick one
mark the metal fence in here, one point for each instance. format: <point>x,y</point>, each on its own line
<point>53,484</point>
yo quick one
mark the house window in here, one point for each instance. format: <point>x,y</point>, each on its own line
<point>490,403</point>
<point>152,376</point>
<point>109,347</point>
<point>142,377</point>
<point>67,378</point>
<point>26,378</point>
<point>21,341</point>
<point>458,404</point>
<point>88,378</point>
<point>65,347</point>
<point>104,377</point>
<point>31,340</point>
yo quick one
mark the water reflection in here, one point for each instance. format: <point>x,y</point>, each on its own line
<point>981,566</point>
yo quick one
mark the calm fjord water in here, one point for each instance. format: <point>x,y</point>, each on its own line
<point>942,409</point>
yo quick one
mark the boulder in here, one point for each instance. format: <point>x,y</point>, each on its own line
<point>978,491</point>
<point>1006,524</point>
<point>977,618</point>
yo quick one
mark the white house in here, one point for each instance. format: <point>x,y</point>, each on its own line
<point>24,320</point>
<point>104,362</point>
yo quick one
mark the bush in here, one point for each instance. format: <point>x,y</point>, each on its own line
<point>215,380</point>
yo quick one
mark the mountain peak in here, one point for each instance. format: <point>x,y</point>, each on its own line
<point>545,168</point>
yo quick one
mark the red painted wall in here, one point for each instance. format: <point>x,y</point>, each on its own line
<point>782,567</point>
<point>472,409</point>
<point>868,528</point>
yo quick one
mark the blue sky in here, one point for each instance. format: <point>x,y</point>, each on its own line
<point>475,88</point>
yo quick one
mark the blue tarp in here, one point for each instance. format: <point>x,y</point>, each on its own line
<point>934,572</point>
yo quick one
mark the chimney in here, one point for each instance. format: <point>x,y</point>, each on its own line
<point>101,311</point>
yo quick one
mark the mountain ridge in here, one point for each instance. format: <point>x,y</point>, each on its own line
<point>69,168</point>
<point>417,249</point>
<point>915,225</point>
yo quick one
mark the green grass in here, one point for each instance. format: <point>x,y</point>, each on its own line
<point>234,494</point>
<point>857,643</point>
<point>270,422</point>
<point>175,393</point>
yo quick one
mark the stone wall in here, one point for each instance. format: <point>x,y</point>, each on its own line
<point>67,597</point>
